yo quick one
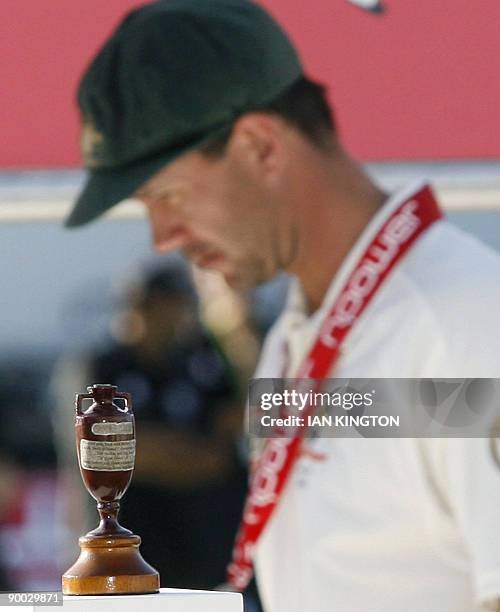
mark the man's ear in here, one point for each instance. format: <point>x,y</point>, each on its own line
<point>258,141</point>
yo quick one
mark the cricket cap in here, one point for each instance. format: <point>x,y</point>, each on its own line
<point>172,76</point>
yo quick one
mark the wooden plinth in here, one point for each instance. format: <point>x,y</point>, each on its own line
<point>110,565</point>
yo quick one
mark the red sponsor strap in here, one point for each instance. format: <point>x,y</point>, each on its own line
<point>393,239</point>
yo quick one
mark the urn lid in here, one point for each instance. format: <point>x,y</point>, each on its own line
<point>102,393</point>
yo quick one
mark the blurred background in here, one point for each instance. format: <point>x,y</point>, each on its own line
<point>417,95</point>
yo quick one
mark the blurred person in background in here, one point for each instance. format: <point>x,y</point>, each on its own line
<point>189,483</point>
<point>28,530</point>
<point>9,478</point>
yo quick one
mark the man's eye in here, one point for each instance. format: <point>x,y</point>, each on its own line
<point>164,194</point>
<point>160,197</point>
<point>172,200</point>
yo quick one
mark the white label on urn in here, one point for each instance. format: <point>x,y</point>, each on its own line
<point>107,456</point>
<point>113,429</point>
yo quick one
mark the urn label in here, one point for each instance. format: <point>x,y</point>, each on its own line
<point>107,456</point>
<point>113,429</point>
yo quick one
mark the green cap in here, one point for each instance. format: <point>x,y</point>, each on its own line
<point>172,76</point>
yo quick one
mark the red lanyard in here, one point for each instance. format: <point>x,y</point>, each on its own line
<point>397,234</point>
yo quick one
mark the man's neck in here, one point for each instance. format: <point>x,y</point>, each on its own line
<point>345,200</point>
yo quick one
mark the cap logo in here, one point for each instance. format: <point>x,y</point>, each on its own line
<point>92,145</point>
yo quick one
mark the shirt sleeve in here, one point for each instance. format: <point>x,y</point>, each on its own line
<point>473,466</point>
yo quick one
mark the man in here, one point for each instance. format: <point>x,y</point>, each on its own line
<point>202,111</point>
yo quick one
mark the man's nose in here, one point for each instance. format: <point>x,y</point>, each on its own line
<point>168,238</point>
<point>167,232</point>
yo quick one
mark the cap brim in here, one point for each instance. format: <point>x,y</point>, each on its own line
<point>106,187</point>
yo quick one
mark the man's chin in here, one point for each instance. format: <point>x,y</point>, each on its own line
<point>244,282</point>
<point>232,279</point>
<point>240,279</point>
<point>237,282</point>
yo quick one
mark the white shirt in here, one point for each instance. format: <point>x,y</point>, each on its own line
<point>393,525</point>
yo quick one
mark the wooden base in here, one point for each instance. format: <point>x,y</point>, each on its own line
<point>110,565</point>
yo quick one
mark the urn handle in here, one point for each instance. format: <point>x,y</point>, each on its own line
<point>79,397</point>
<point>128,400</point>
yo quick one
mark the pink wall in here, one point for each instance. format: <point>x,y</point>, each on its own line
<point>421,82</point>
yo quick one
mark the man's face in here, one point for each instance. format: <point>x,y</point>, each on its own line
<point>220,213</point>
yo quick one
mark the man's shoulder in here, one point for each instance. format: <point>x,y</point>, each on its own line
<point>448,259</point>
<point>444,299</point>
<point>455,275</point>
